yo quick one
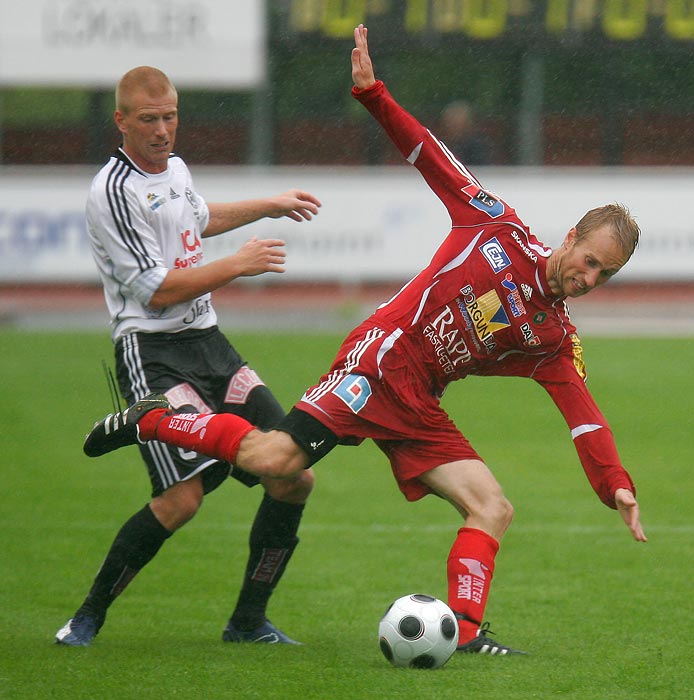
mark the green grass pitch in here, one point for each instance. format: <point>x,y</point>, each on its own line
<point>603,616</point>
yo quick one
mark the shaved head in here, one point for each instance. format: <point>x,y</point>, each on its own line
<point>142,80</point>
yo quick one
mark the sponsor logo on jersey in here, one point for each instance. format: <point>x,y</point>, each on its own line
<point>523,247</point>
<point>445,337</point>
<point>487,314</point>
<point>539,317</point>
<point>529,338</point>
<point>495,255</point>
<point>193,199</point>
<point>513,296</point>
<point>190,243</point>
<point>198,308</point>
<point>490,205</point>
<point>469,325</point>
<point>190,261</point>
<point>577,350</point>
<point>527,291</point>
<point>154,201</point>
<point>173,194</point>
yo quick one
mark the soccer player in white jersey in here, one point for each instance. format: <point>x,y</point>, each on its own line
<point>146,223</point>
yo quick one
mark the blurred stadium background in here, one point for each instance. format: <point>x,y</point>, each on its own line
<point>578,102</point>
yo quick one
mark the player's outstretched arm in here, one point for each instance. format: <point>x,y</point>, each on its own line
<point>294,204</point>
<point>629,510</point>
<point>362,69</point>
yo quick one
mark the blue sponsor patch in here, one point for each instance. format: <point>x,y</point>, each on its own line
<point>495,254</point>
<point>354,390</point>
<point>484,201</point>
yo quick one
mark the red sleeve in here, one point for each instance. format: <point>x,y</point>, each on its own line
<point>462,195</point>
<point>592,436</point>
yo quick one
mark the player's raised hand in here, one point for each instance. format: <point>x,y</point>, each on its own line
<point>295,204</point>
<point>362,69</point>
<point>629,510</point>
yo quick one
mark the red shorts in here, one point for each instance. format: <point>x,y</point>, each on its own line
<point>374,391</point>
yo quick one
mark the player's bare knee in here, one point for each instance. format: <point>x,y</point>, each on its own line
<point>294,489</point>
<point>498,508</point>
<point>299,488</point>
<point>187,511</point>
<point>187,507</point>
<point>179,504</point>
<point>493,514</point>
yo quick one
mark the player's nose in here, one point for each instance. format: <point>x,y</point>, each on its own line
<point>591,278</point>
<point>160,127</point>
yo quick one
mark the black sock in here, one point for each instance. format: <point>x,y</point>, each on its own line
<point>135,545</point>
<point>272,542</point>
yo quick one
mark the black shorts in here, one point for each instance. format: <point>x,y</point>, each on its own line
<point>199,371</point>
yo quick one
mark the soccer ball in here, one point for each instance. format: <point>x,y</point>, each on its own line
<point>418,631</point>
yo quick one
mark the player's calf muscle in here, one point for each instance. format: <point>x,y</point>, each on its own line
<point>272,454</point>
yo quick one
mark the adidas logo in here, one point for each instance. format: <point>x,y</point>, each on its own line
<point>172,194</point>
<point>527,291</point>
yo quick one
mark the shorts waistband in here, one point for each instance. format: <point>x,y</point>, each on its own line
<point>193,335</point>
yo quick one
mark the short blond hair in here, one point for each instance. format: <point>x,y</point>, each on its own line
<point>145,79</point>
<point>624,227</point>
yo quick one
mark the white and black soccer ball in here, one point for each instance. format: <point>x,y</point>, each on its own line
<point>418,631</point>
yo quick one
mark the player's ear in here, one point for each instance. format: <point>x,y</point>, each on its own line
<point>119,119</point>
<point>570,238</point>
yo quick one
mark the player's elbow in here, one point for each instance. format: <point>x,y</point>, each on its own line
<point>157,303</point>
<point>164,296</point>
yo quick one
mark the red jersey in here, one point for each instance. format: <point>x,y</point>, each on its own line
<point>483,306</point>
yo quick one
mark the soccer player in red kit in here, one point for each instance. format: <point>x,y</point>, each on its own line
<point>490,302</point>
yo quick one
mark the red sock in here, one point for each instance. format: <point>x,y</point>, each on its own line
<point>470,570</point>
<point>213,434</point>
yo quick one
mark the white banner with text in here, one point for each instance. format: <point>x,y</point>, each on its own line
<point>92,43</point>
<point>376,224</point>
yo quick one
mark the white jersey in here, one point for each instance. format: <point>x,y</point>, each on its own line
<point>140,226</point>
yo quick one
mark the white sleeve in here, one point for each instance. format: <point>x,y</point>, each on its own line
<point>122,236</point>
<point>145,285</point>
<point>200,209</point>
